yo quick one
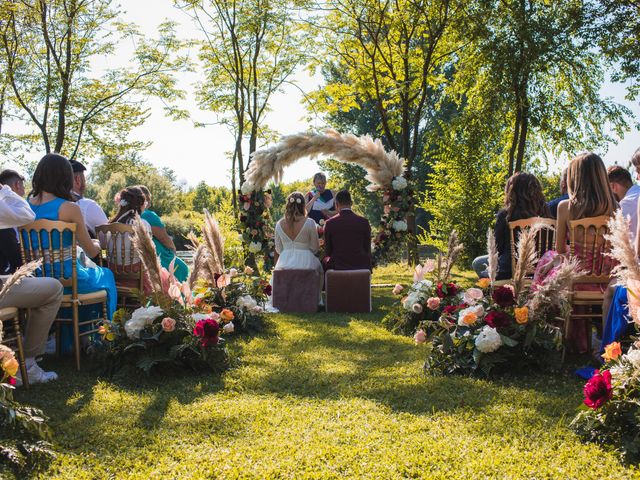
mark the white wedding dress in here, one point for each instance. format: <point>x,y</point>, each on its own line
<point>299,253</point>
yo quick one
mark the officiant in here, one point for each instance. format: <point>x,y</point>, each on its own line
<point>320,201</point>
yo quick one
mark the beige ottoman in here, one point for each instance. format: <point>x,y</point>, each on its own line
<point>295,291</point>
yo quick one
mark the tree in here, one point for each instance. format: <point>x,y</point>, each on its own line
<point>538,58</point>
<point>250,51</point>
<point>391,54</point>
<point>47,48</point>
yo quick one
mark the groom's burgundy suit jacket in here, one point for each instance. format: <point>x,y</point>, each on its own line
<point>347,242</point>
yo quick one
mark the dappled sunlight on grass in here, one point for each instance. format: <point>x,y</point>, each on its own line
<point>319,396</point>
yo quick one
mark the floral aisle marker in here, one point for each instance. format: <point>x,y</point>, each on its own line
<point>485,326</point>
<point>385,172</point>
<point>426,299</point>
<point>611,412</point>
<point>26,435</point>
<point>181,325</point>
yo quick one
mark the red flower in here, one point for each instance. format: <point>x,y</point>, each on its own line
<point>598,389</point>
<point>207,330</point>
<point>498,319</point>
<point>267,290</point>
<point>12,381</point>
<point>448,290</point>
<point>504,297</point>
<point>451,309</point>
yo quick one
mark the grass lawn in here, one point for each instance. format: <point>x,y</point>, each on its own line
<point>319,396</point>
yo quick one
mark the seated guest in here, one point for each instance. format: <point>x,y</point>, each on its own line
<point>590,195</point>
<point>523,199</point>
<point>165,248</point>
<point>41,297</point>
<point>9,248</point>
<point>347,238</point>
<point>320,202</point>
<point>553,204</point>
<point>615,311</point>
<point>91,212</point>
<point>626,194</point>
<point>51,199</point>
<point>131,202</point>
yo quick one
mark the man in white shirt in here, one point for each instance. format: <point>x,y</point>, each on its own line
<point>42,296</point>
<point>626,193</point>
<point>91,212</point>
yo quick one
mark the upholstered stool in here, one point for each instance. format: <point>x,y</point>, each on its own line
<point>348,291</point>
<point>295,291</point>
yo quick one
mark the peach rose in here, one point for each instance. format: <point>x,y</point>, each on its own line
<point>433,303</point>
<point>397,289</point>
<point>226,315</point>
<point>612,351</point>
<point>420,337</point>
<point>248,270</point>
<point>10,366</point>
<point>168,324</point>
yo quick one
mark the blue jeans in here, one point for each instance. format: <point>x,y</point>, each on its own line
<point>479,265</point>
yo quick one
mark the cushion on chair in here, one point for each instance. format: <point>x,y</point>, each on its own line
<point>295,290</point>
<point>348,291</point>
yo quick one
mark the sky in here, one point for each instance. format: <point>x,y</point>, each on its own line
<point>197,154</point>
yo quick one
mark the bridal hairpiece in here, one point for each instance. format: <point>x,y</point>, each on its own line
<point>297,200</point>
<point>123,203</point>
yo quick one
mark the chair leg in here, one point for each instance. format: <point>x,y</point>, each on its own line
<point>76,335</point>
<point>21,360</point>
<point>58,336</point>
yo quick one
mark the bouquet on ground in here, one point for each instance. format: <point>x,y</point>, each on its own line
<point>508,324</point>
<point>611,412</point>
<point>426,298</point>
<point>24,429</point>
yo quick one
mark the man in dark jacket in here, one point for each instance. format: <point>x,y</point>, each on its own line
<point>347,238</point>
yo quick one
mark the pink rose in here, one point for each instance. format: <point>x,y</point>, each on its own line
<point>429,266</point>
<point>228,328</point>
<point>472,295</point>
<point>397,289</point>
<point>433,303</point>
<point>385,198</point>
<point>168,324</point>
<point>417,308</point>
<point>246,205</point>
<point>420,337</point>
<point>214,316</point>
<point>387,209</point>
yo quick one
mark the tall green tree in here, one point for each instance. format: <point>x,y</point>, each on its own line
<point>47,50</point>
<point>251,49</point>
<point>391,54</point>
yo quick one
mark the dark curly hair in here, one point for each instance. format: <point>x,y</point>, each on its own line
<point>131,202</point>
<point>524,197</point>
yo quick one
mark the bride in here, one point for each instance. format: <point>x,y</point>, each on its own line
<point>297,241</point>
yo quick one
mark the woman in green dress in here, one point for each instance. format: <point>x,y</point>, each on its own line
<point>165,247</point>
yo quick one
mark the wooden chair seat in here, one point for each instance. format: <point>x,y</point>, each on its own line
<point>13,314</point>
<point>85,298</point>
<point>585,296</point>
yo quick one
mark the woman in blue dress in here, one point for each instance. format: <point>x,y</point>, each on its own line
<point>51,199</point>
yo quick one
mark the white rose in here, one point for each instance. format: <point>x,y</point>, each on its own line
<point>255,247</point>
<point>488,340</point>
<point>200,316</point>
<point>399,226</point>
<point>233,272</point>
<point>247,188</point>
<point>228,328</point>
<point>633,356</point>
<point>257,309</point>
<point>140,318</point>
<point>247,302</point>
<point>399,183</point>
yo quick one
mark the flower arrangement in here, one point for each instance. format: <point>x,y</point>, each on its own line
<point>255,224</point>
<point>610,415</point>
<point>506,325</point>
<point>397,201</point>
<point>385,171</point>
<point>426,299</point>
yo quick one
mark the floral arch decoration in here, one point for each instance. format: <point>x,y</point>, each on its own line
<point>385,172</point>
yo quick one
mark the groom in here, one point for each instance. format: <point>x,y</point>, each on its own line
<point>347,238</point>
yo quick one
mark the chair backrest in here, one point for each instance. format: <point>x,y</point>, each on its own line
<point>545,238</point>
<point>121,256</point>
<point>587,244</point>
<point>46,239</point>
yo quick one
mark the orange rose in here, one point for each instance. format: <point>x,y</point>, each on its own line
<point>483,283</point>
<point>10,366</point>
<point>226,315</point>
<point>612,351</point>
<point>469,318</point>
<point>522,315</point>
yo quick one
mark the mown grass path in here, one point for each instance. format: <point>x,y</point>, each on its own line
<point>319,396</point>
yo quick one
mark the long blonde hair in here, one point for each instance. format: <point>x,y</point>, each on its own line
<point>590,194</point>
<point>294,208</point>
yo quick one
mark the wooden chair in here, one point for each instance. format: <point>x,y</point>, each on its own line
<point>37,241</point>
<point>587,243</point>
<point>12,314</point>
<point>545,240</point>
<point>123,260</point>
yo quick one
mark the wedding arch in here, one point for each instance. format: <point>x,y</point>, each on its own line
<point>385,172</point>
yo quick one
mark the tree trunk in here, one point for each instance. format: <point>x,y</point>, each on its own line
<point>234,190</point>
<point>522,141</point>
<point>514,140</point>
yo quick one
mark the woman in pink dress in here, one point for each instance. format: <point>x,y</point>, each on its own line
<point>589,196</point>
